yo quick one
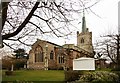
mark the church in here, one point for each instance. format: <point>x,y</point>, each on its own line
<point>46,55</point>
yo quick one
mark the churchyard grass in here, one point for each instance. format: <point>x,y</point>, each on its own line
<point>34,75</point>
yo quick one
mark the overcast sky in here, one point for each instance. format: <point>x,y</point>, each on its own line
<point>105,23</point>
<point>108,23</point>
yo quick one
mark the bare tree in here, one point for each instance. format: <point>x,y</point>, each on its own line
<point>110,47</point>
<point>24,20</point>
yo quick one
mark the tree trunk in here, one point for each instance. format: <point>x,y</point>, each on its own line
<point>118,52</point>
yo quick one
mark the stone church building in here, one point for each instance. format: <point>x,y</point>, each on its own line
<point>47,55</point>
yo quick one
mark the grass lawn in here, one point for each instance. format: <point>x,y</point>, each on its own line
<point>35,75</point>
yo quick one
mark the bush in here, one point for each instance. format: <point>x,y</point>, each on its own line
<point>8,73</point>
<point>6,63</point>
<point>118,73</point>
<point>71,76</point>
<point>52,68</point>
<point>60,68</point>
<point>19,63</point>
<point>99,76</point>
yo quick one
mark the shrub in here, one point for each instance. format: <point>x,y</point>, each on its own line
<point>71,75</point>
<point>52,68</point>
<point>19,63</point>
<point>8,73</point>
<point>60,68</point>
<point>7,62</point>
<point>99,76</point>
<point>118,73</point>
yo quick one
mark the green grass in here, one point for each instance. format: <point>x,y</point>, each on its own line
<point>104,69</point>
<point>35,75</point>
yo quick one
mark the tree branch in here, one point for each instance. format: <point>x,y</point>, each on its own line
<point>24,43</point>
<point>36,26</point>
<point>109,54</point>
<point>40,18</point>
<point>23,24</point>
<point>8,45</point>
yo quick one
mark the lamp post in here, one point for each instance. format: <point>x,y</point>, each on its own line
<point>46,58</point>
<point>12,66</point>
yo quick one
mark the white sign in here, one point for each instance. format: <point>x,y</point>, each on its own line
<point>84,64</point>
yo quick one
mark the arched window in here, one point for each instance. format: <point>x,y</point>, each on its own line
<point>36,57</point>
<point>61,59</point>
<point>39,54</point>
<point>82,40</point>
<point>51,54</point>
<point>41,57</point>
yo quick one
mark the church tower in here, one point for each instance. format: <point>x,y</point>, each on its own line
<point>84,39</point>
